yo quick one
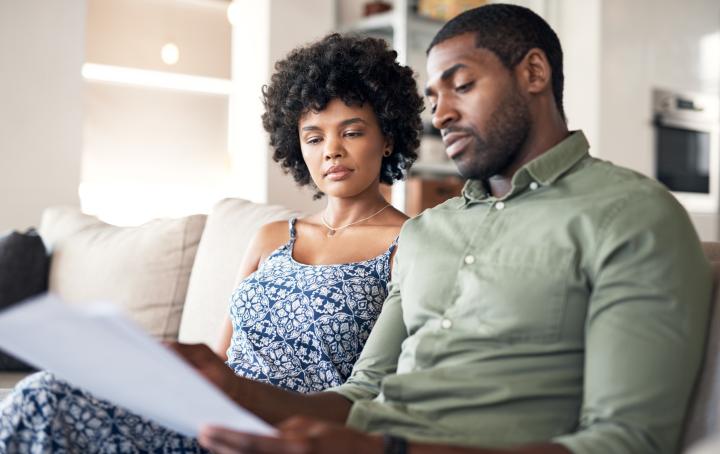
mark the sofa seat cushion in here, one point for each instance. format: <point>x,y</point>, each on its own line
<point>230,227</point>
<point>145,270</point>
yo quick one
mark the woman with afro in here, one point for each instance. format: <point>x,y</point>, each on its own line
<point>343,117</point>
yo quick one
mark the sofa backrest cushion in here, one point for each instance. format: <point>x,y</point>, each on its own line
<point>703,417</point>
<point>230,227</point>
<point>145,269</point>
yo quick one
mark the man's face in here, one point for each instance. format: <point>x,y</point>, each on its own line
<point>477,106</point>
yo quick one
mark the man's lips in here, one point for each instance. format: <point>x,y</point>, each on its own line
<point>455,142</point>
<point>337,173</point>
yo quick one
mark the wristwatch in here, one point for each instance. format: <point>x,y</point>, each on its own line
<point>394,445</point>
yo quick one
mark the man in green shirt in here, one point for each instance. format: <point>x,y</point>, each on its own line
<point>558,306</point>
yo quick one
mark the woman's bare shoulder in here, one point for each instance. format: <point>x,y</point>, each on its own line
<point>270,237</point>
<point>397,218</point>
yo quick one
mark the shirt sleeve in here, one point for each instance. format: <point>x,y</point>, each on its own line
<point>380,355</point>
<point>645,329</point>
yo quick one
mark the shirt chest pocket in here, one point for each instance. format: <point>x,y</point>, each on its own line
<point>514,294</point>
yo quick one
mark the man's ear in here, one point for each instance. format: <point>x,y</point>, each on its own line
<point>534,71</point>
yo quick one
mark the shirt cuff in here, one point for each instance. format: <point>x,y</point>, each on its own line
<point>353,392</point>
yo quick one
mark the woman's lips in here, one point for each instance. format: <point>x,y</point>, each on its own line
<point>456,144</point>
<point>338,174</point>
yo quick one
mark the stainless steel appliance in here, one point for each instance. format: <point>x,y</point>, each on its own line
<point>687,148</point>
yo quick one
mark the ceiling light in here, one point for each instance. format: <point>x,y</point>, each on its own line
<point>170,53</point>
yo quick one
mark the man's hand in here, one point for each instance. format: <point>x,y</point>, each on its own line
<point>298,435</point>
<point>209,365</point>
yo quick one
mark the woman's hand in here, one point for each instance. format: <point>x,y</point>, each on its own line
<point>298,435</point>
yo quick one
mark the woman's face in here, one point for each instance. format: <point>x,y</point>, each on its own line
<point>343,148</point>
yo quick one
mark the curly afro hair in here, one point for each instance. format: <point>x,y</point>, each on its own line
<point>355,70</point>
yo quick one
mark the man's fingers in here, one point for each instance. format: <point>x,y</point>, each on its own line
<point>301,426</point>
<point>222,441</point>
<point>296,423</point>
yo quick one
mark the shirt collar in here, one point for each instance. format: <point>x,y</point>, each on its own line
<point>545,169</point>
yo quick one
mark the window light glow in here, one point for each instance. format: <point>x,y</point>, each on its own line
<point>132,203</point>
<point>155,79</point>
<point>233,10</point>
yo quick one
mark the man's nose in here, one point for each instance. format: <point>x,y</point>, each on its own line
<point>445,114</point>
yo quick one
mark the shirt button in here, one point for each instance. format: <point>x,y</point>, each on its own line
<point>533,186</point>
<point>499,206</point>
<point>469,259</point>
<point>446,324</point>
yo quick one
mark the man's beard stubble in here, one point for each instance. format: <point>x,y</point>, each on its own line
<point>508,128</point>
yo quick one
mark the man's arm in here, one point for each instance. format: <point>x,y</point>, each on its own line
<point>308,436</point>
<point>270,403</point>
<point>645,329</point>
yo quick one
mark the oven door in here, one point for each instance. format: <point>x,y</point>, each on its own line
<point>687,161</point>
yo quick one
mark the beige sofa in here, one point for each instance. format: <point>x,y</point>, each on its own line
<point>174,277</point>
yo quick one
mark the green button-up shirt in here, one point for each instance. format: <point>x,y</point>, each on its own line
<point>572,309</point>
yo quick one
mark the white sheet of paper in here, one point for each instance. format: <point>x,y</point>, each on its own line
<point>95,348</point>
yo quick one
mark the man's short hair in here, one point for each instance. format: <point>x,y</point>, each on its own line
<point>509,31</point>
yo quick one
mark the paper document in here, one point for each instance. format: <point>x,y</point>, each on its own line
<point>95,348</point>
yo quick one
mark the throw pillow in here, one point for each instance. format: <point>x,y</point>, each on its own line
<point>145,269</point>
<point>23,273</point>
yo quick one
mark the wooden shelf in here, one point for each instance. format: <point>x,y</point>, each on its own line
<point>384,23</point>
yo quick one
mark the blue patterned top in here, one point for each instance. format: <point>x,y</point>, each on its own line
<point>302,327</point>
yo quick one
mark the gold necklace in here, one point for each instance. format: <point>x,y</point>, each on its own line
<point>333,230</point>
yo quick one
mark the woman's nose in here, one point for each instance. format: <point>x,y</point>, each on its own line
<point>334,149</point>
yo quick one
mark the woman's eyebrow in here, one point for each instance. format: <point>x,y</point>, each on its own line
<point>350,121</point>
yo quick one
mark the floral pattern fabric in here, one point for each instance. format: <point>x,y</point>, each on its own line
<point>299,327</point>
<point>302,327</point>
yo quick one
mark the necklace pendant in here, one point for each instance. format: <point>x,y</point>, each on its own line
<point>331,232</point>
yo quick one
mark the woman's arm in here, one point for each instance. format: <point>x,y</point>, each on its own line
<point>268,238</point>
<point>223,343</point>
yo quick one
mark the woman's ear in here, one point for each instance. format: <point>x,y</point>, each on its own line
<point>535,72</point>
<point>388,147</point>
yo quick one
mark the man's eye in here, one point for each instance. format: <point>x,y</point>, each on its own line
<point>464,87</point>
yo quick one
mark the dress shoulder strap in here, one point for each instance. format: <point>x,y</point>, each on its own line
<point>291,226</point>
<point>393,245</point>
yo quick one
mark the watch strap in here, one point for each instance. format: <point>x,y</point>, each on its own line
<point>394,445</point>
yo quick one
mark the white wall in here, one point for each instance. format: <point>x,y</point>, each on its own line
<point>41,49</point>
<point>131,33</point>
<point>646,44</point>
<point>261,36</point>
<point>578,26</point>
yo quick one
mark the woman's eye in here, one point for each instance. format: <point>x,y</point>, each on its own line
<point>353,134</point>
<point>433,109</point>
<point>313,140</point>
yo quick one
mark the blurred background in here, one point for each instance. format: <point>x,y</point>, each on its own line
<point>137,109</point>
